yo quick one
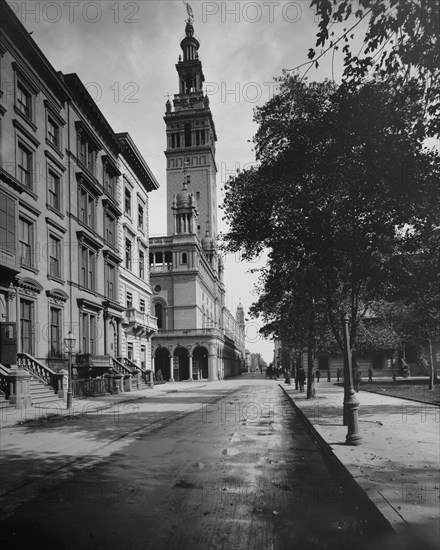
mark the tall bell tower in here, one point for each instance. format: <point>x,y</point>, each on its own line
<point>191,139</point>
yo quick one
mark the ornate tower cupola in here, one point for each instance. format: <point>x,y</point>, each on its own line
<point>190,71</point>
<point>191,136</point>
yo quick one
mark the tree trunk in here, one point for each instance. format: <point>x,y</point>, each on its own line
<point>431,365</point>
<point>310,351</point>
<point>310,377</point>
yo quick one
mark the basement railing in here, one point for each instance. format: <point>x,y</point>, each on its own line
<point>92,386</point>
<point>4,381</point>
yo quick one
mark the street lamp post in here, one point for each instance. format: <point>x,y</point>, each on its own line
<point>351,404</point>
<point>69,342</point>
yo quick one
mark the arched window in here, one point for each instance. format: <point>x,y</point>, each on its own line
<point>158,310</point>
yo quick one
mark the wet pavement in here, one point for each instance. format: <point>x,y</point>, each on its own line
<point>196,466</point>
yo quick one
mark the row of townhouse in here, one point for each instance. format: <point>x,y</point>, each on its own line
<point>73,222</point>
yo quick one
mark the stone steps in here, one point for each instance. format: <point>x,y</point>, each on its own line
<point>41,393</point>
<point>4,404</point>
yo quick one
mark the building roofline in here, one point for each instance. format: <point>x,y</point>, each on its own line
<point>85,101</point>
<point>136,161</point>
<point>12,26</point>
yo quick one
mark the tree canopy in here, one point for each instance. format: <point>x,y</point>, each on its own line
<point>342,174</point>
<point>401,42</point>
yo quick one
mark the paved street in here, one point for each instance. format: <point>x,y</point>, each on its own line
<point>197,466</point>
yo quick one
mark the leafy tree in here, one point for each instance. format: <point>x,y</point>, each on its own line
<point>385,327</point>
<point>418,287</point>
<point>401,42</point>
<point>293,310</point>
<point>342,171</point>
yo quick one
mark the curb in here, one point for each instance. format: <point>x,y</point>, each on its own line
<point>358,491</point>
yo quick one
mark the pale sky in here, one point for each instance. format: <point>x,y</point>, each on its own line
<point>125,54</point>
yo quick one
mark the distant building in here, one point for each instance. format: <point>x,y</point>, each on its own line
<point>247,361</point>
<point>198,336</point>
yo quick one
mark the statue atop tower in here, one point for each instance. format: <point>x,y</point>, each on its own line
<point>190,12</point>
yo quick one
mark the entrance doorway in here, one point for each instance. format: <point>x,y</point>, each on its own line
<point>27,326</point>
<point>162,364</point>
<point>181,364</point>
<point>200,362</point>
<point>323,362</point>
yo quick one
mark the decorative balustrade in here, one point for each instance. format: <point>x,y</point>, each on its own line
<point>147,375</point>
<point>200,332</point>
<point>162,267</point>
<point>121,367</point>
<point>132,316</point>
<point>90,360</point>
<point>45,374</point>
<point>92,386</point>
<point>129,363</point>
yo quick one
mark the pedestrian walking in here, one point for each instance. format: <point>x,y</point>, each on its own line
<point>318,374</point>
<point>301,378</point>
<point>287,377</point>
<point>338,373</point>
<point>357,376</point>
<point>370,374</point>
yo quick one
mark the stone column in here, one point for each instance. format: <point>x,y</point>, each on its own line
<point>105,319</point>
<point>119,329</point>
<point>153,364</point>
<point>221,368</point>
<point>191,368</point>
<point>10,296</point>
<point>212,363</point>
<point>171,367</point>
<point>17,316</point>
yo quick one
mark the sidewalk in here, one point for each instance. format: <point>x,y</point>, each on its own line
<point>397,462</point>
<point>84,406</point>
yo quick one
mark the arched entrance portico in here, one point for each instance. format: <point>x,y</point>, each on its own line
<point>181,363</point>
<point>200,362</point>
<point>162,364</point>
